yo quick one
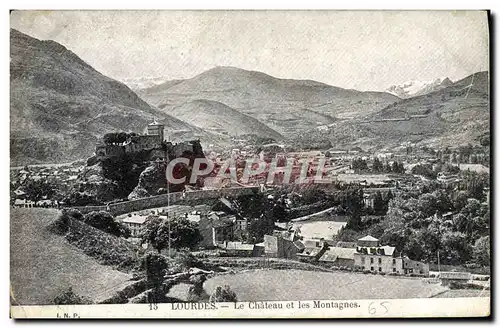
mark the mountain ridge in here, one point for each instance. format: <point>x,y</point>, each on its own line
<point>60,106</point>
<point>285,105</point>
<point>415,88</point>
<point>455,115</point>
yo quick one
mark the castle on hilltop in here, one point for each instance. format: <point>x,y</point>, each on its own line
<point>153,142</point>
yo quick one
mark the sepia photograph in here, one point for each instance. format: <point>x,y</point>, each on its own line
<point>249,163</point>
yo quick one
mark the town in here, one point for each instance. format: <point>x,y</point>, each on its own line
<point>369,212</point>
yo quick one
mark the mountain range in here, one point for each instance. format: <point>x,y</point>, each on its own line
<point>60,107</point>
<point>417,88</point>
<point>287,106</point>
<point>452,116</point>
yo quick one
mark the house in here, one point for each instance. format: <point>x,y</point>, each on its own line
<point>417,267</point>
<point>240,228</point>
<point>216,228</point>
<point>44,203</point>
<point>478,168</point>
<point>24,203</point>
<point>236,248</point>
<point>346,244</point>
<point>19,192</point>
<point>282,244</point>
<point>369,200</point>
<point>313,250</point>
<point>372,256</point>
<point>454,277</point>
<point>448,180</point>
<point>175,210</point>
<point>339,256</point>
<point>368,241</point>
<point>135,224</point>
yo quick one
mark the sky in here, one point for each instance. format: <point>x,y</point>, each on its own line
<point>363,50</point>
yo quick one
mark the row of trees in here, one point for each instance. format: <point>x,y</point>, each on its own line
<point>116,137</point>
<point>361,166</point>
<point>453,225</point>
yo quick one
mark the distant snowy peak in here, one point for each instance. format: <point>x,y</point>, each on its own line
<point>417,88</point>
<point>143,82</point>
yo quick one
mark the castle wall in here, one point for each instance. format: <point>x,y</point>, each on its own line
<point>163,200</point>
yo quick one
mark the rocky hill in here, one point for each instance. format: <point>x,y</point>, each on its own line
<point>287,106</point>
<point>453,116</point>
<point>60,106</point>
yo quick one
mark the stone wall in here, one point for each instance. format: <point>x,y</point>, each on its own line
<point>163,200</point>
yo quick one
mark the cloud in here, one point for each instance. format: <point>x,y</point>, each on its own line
<point>362,50</point>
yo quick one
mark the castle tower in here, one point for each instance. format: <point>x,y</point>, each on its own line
<point>156,129</point>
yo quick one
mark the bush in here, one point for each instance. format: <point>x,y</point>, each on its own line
<point>68,297</point>
<point>183,260</point>
<point>104,221</point>
<point>223,294</point>
<point>458,285</point>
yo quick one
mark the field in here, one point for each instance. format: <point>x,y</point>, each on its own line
<point>459,293</point>
<point>42,264</point>
<point>319,229</point>
<point>280,285</point>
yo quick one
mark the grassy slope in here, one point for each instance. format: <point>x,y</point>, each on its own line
<point>42,264</point>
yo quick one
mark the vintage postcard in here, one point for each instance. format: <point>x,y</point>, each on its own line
<point>249,164</point>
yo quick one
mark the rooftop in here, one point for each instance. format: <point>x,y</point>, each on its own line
<point>155,123</point>
<point>368,238</point>
<point>135,219</point>
<point>338,252</point>
<point>236,245</point>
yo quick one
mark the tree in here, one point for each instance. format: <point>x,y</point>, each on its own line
<point>397,168</point>
<point>456,248</point>
<point>414,249</point>
<point>377,165</point>
<point>427,204</point>
<point>424,170</point>
<point>153,234</point>
<point>223,294</point>
<point>459,200</point>
<point>115,138</point>
<point>473,220</point>
<point>379,206</point>
<point>354,204</point>
<point>68,297</point>
<point>104,221</point>
<point>388,197</point>
<point>359,165</point>
<point>155,266</point>
<point>38,189</point>
<point>183,233</point>
<point>260,227</point>
<point>481,251</point>
<point>196,292</point>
